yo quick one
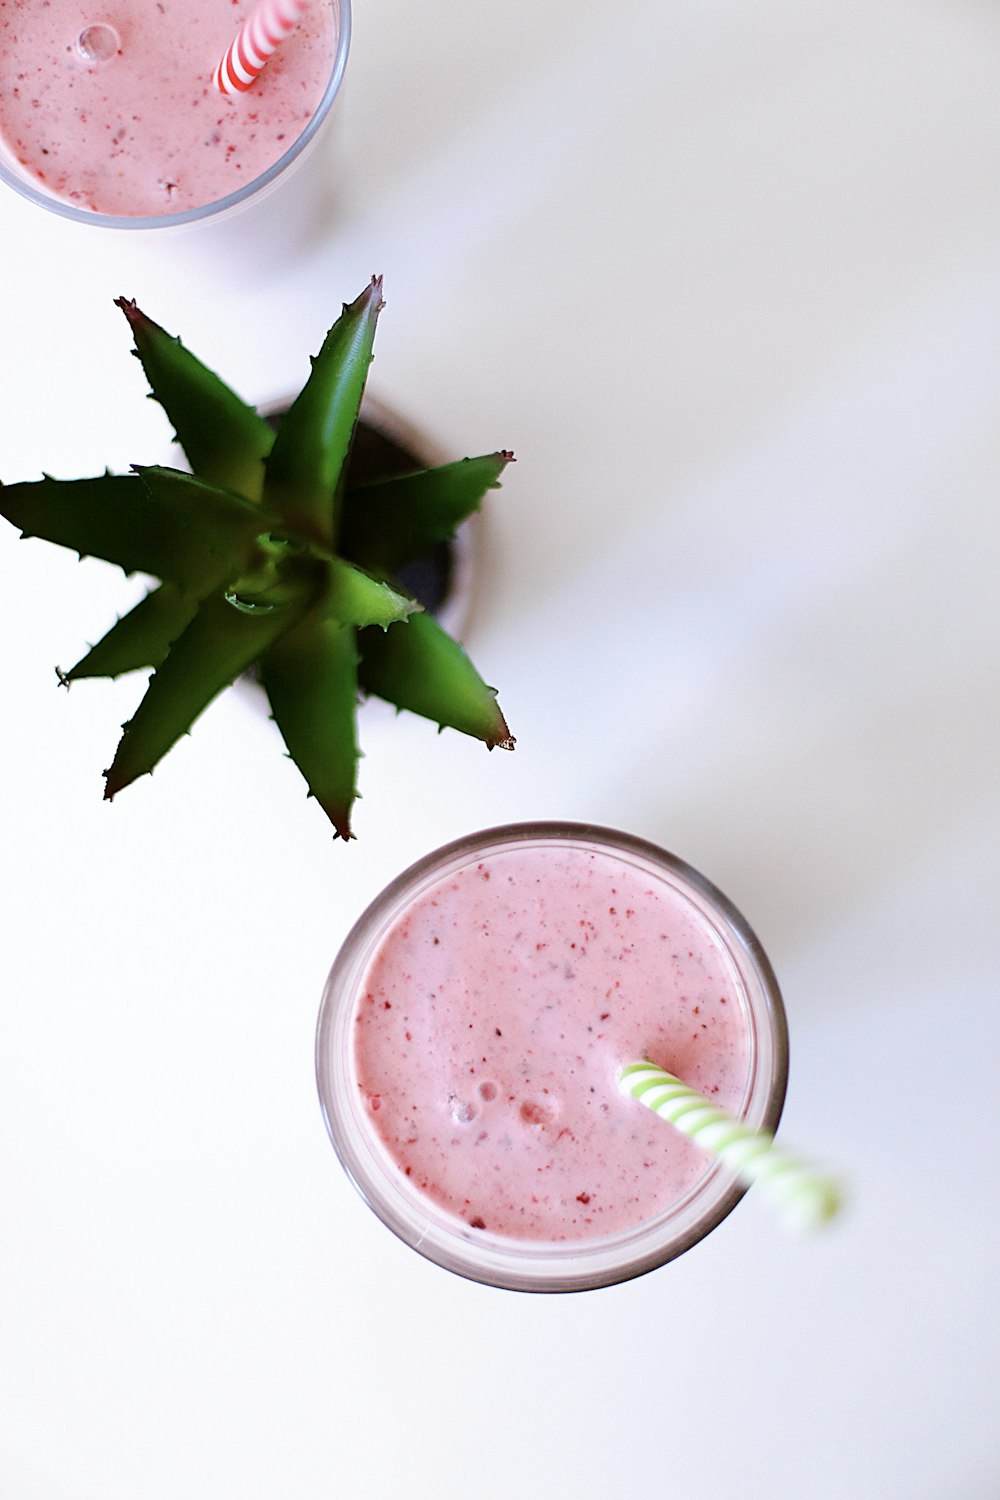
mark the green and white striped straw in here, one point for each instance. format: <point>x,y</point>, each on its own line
<point>803,1195</point>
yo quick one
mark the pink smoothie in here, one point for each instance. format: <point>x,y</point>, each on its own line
<point>491,1020</point>
<point>145,132</point>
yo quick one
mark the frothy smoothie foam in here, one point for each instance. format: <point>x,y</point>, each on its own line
<point>111,108</point>
<point>473,1031</point>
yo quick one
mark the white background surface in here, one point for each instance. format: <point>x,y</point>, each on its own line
<point>725,277</point>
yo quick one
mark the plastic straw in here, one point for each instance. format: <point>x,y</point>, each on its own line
<point>803,1195</point>
<point>260,36</point>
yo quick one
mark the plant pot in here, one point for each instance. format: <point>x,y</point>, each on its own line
<point>385,444</point>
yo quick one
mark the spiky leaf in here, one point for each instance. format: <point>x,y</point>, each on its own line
<point>304,470</point>
<point>386,525</point>
<point>219,644</point>
<point>418,666</point>
<point>225,440</point>
<point>140,638</point>
<point>310,677</point>
<point>141,524</point>
<point>227,524</point>
<point>353,597</point>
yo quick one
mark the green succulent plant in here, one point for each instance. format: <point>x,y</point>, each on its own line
<point>271,555</point>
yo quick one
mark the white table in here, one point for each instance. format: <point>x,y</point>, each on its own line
<point>725,277</point>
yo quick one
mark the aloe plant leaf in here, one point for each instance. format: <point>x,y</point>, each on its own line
<point>116,517</point>
<point>224,439</point>
<point>353,597</point>
<point>310,677</point>
<point>218,645</point>
<point>140,638</point>
<point>226,525</point>
<point>304,472</point>
<point>419,666</point>
<point>391,523</point>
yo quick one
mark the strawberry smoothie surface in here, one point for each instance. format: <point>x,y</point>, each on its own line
<point>128,121</point>
<point>491,1020</point>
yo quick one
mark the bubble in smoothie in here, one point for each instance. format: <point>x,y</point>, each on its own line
<point>98,43</point>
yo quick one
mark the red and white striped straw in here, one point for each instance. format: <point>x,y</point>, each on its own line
<point>260,36</point>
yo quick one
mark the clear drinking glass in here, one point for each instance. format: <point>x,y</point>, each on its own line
<point>535,1265</point>
<point>31,188</point>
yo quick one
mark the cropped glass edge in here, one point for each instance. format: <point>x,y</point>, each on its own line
<point>218,208</point>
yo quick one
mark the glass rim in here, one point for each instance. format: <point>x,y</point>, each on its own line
<point>528,1265</point>
<point>217,207</point>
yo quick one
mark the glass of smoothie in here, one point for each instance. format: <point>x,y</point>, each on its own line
<point>109,113</point>
<point>471,1032</point>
